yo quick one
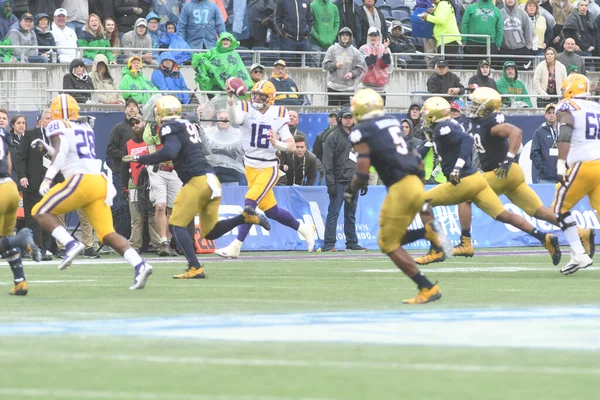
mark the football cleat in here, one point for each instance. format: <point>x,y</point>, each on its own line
<point>308,233</point>
<point>425,295</point>
<point>577,262</point>
<point>464,248</point>
<point>24,240</point>
<point>72,250</point>
<point>142,273</point>
<point>19,289</point>
<point>551,244</point>
<point>431,257</point>
<point>436,235</point>
<point>588,240</point>
<point>192,273</point>
<point>252,217</point>
<point>230,251</point>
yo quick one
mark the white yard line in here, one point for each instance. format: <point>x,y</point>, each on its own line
<point>5,357</point>
<point>93,394</point>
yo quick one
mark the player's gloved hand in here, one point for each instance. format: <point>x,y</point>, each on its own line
<point>125,193</point>
<point>364,190</point>
<point>455,176</point>
<point>331,190</point>
<point>349,193</point>
<point>39,145</point>
<point>45,186</point>
<point>502,170</point>
<point>130,158</point>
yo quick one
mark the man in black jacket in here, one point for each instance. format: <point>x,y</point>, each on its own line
<point>320,141</point>
<point>482,78</point>
<point>339,161</point>
<point>544,148</point>
<point>31,165</point>
<point>300,167</point>
<point>444,83</point>
<point>294,21</point>
<point>115,150</point>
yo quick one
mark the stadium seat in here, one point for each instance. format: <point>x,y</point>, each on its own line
<point>400,15</point>
<point>267,59</point>
<point>246,57</point>
<point>395,4</point>
<point>386,11</point>
<point>406,9</point>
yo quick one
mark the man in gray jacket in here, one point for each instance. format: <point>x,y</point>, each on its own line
<point>139,38</point>
<point>24,35</point>
<point>339,160</point>
<point>344,66</point>
<point>518,31</point>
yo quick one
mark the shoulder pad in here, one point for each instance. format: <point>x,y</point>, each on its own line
<point>56,127</point>
<point>566,105</point>
<point>499,118</point>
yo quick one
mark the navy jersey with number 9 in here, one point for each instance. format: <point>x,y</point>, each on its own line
<point>191,159</point>
<point>390,154</point>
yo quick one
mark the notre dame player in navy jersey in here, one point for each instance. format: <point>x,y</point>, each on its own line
<point>464,183</point>
<point>9,203</point>
<point>201,191</point>
<point>378,141</point>
<point>497,143</point>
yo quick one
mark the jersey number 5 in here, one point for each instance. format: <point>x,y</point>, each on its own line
<point>399,141</point>
<point>86,144</point>
<point>260,136</point>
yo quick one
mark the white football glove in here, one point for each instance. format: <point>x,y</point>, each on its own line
<point>42,147</point>
<point>45,186</point>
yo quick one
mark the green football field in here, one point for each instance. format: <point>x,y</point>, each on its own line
<point>283,326</point>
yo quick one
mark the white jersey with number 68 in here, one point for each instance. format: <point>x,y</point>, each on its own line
<point>585,141</point>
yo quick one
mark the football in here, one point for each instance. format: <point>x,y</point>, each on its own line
<point>237,86</point>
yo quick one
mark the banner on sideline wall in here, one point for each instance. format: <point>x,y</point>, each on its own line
<point>309,204</point>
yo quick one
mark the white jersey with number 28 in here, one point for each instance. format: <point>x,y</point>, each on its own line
<point>81,142</point>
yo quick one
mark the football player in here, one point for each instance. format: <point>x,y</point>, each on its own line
<point>464,183</point>
<point>578,165</point>
<point>497,143</point>
<point>10,246</point>
<point>88,185</point>
<point>201,191</point>
<point>264,131</point>
<point>378,140</point>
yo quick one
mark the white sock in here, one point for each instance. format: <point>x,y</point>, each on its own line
<point>60,233</point>
<point>132,257</point>
<point>574,241</point>
<point>163,239</point>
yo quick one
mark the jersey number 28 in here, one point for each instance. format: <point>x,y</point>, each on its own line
<point>86,144</point>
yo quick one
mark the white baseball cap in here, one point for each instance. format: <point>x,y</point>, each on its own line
<point>60,11</point>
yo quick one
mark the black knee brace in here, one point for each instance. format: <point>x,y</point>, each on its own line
<point>565,221</point>
<point>9,254</point>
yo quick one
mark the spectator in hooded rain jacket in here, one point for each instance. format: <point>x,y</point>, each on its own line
<point>200,33</point>
<point>139,39</point>
<point>482,77</point>
<point>133,79</point>
<point>168,77</point>
<point>171,40</point>
<point>154,32</point>
<point>218,64</point>
<point>78,78</point>
<point>103,80</point>
<point>7,18</point>
<point>344,66</point>
<point>43,34</point>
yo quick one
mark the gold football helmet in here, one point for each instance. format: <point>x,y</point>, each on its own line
<point>576,85</point>
<point>64,106</point>
<point>434,110</point>
<point>167,107</point>
<point>366,101</point>
<point>485,101</point>
<point>262,94</point>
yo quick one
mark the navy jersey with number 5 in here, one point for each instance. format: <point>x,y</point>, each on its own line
<point>181,144</point>
<point>4,152</point>
<point>492,149</point>
<point>390,154</point>
<point>451,143</point>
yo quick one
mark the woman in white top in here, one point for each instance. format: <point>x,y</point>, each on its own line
<point>548,78</point>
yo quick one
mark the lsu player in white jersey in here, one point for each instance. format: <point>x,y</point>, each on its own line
<point>578,165</point>
<point>86,187</point>
<point>264,131</point>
